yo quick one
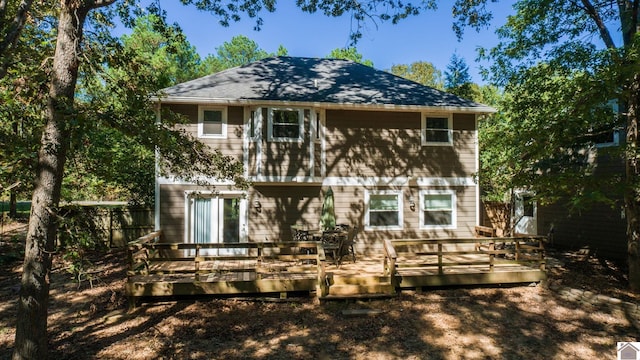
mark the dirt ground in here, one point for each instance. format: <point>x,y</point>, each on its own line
<point>563,319</point>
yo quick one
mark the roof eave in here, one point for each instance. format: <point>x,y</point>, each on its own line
<point>483,109</point>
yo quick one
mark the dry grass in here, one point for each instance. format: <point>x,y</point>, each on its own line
<point>471,323</point>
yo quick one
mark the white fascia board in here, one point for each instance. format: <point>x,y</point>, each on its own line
<point>171,180</point>
<point>285,180</point>
<point>434,181</point>
<point>336,181</point>
<point>398,181</point>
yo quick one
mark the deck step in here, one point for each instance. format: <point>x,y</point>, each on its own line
<point>331,297</point>
<point>370,280</point>
<point>348,290</point>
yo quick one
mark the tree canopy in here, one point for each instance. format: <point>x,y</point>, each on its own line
<point>350,53</point>
<point>457,79</point>
<point>422,72</point>
<point>239,51</point>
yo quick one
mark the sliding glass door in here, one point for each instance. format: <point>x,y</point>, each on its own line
<point>216,219</point>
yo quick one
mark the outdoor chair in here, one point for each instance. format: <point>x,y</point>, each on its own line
<point>347,246</point>
<point>332,242</point>
<point>299,234</point>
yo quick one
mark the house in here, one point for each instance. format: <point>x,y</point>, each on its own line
<point>399,157</point>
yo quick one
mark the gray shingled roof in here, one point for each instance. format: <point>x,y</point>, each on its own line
<point>309,80</point>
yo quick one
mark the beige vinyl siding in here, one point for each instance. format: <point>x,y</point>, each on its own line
<point>280,158</point>
<point>387,144</point>
<point>172,212</point>
<point>464,143</point>
<point>283,206</point>
<point>232,144</point>
<point>350,206</point>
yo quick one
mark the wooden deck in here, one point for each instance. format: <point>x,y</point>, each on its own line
<point>167,269</point>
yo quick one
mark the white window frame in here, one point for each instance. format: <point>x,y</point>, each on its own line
<point>201,133</point>
<point>367,201</point>
<point>616,139</point>
<point>423,130</point>
<point>212,196</point>
<point>272,138</point>
<point>454,210</point>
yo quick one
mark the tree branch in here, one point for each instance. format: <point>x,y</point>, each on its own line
<point>605,35</point>
<point>95,4</point>
<point>634,17</point>
<point>16,26</point>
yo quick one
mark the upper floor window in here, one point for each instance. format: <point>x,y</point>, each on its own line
<point>212,122</point>
<point>384,209</point>
<point>285,124</point>
<point>438,209</point>
<point>255,124</point>
<point>436,130</point>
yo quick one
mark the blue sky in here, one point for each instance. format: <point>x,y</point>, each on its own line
<point>427,37</point>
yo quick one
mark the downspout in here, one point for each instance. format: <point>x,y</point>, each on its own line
<point>156,202</point>
<point>477,161</point>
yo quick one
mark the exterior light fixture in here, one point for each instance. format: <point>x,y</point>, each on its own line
<point>257,205</point>
<point>412,203</point>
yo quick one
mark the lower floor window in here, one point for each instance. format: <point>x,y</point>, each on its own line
<point>384,209</point>
<point>438,209</point>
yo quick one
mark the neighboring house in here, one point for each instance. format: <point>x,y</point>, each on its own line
<point>400,157</point>
<point>600,228</point>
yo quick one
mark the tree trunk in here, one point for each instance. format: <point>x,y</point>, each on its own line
<point>13,205</point>
<point>31,326</point>
<point>632,192</point>
<point>13,199</point>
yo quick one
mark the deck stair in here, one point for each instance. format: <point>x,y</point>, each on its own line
<point>342,287</point>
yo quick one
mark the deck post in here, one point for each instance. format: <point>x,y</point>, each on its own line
<point>543,266</point>
<point>440,269</point>
<point>196,260</point>
<point>389,265</point>
<point>322,281</point>
<point>492,255</point>
<point>517,249</point>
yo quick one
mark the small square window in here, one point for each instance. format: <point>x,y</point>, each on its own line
<point>436,130</point>
<point>212,122</point>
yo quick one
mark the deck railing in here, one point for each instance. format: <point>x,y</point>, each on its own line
<point>158,268</point>
<point>145,253</point>
<point>443,255</point>
<point>148,256</point>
